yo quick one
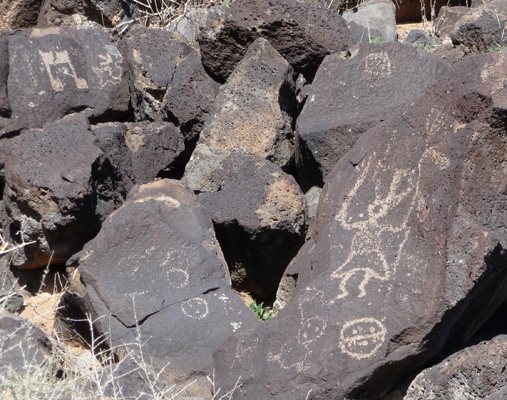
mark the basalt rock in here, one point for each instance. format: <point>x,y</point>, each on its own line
<point>58,188</point>
<point>259,213</point>
<point>409,255</point>
<point>53,73</point>
<point>477,372</point>
<point>167,79</point>
<point>483,28</point>
<point>141,151</point>
<point>302,33</point>
<point>15,14</point>
<point>155,268</point>
<point>253,114</point>
<point>349,96</point>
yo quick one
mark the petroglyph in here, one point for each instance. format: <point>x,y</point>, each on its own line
<point>110,68</point>
<point>58,64</point>
<point>361,338</point>
<point>366,257</point>
<point>134,138</point>
<point>196,308</point>
<point>378,64</point>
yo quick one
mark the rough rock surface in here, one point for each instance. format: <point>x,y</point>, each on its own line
<point>477,372</point>
<point>15,14</point>
<point>168,81</point>
<point>156,264</point>
<point>373,20</point>
<point>53,72</point>
<point>58,187</point>
<point>21,342</point>
<point>302,33</point>
<point>349,96</point>
<point>61,13</point>
<point>140,151</point>
<point>483,28</point>
<point>447,19</point>
<point>5,109</point>
<point>259,213</point>
<point>409,256</point>
<point>253,114</point>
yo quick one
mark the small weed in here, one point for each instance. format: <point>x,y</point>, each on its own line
<point>264,313</point>
<point>191,42</point>
<point>377,40</point>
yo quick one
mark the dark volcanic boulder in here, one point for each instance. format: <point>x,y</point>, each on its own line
<point>142,150</point>
<point>253,114</point>
<point>156,265</point>
<point>477,372</point>
<point>483,28</point>
<point>447,19</point>
<point>167,79</point>
<point>58,187</point>
<point>259,213</point>
<point>409,257</point>
<point>21,342</point>
<point>53,73</point>
<point>302,33</point>
<point>62,13</point>
<point>349,96</point>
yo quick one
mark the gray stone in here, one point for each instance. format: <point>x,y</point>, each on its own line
<point>15,14</point>
<point>373,20</point>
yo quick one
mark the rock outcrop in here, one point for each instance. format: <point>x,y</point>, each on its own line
<point>409,255</point>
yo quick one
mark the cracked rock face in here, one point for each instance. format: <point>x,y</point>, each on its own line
<point>156,263</point>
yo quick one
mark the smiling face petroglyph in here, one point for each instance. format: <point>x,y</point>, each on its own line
<point>361,338</point>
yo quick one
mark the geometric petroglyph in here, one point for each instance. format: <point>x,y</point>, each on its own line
<point>176,267</point>
<point>366,259</point>
<point>196,308</point>
<point>378,64</point>
<point>57,64</point>
<point>134,138</point>
<point>362,337</point>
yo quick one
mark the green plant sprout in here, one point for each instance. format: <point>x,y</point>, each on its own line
<point>264,313</point>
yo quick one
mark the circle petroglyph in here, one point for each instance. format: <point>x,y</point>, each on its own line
<point>177,278</point>
<point>361,338</point>
<point>196,308</point>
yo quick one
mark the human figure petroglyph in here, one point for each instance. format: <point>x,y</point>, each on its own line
<point>372,229</point>
<point>58,63</point>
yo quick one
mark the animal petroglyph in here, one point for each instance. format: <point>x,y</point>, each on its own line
<point>196,308</point>
<point>361,338</point>
<point>381,221</point>
<point>110,68</point>
<point>58,65</point>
